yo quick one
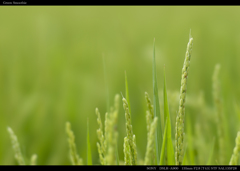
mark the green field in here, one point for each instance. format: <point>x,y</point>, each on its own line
<point>58,64</point>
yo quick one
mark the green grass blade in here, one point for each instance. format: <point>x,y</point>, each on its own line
<point>106,84</point>
<point>166,108</point>
<point>162,157</point>
<point>89,155</point>
<point>170,152</point>
<point>126,91</point>
<point>211,153</point>
<point>156,109</point>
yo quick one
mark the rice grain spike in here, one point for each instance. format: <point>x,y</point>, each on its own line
<point>150,143</point>
<point>101,146</point>
<point>16,147</point>
<point>72,146</point>
<point>149,105</point>
<point>126,151</point>
<point>179,136</point>
<point>129,132</point>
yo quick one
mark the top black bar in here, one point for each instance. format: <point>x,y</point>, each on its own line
<point>65,2</point>
<point>73,2</point>
<point>56,3</point>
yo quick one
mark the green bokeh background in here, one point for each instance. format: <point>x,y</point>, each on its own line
<point>51,70</point>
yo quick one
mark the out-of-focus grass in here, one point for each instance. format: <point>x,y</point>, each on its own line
<point>51,72</point>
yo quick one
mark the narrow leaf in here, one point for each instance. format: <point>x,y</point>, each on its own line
<point>163,144</point>
<point>89,155</point>
<point>170,152</point>
<point>156,109</point>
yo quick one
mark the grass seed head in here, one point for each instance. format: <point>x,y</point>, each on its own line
<point>150,143</point>
<point>126,152</point>
<point>129,132</point>
<point>181,111</point>
<point>16,147</point>
<point>75,159</point>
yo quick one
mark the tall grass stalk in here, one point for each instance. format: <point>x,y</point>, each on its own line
<point>156,109</point>
<point>179,136</point>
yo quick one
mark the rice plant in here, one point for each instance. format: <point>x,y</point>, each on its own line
<point>160,149</point>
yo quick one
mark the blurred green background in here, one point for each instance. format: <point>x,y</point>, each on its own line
<point>51,71</point>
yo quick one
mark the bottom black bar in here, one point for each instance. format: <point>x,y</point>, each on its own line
<point>151,168</point>
<point>167,168</point>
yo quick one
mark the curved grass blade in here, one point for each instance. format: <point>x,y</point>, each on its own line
<point>89,155</point>
<point>156,109</point>
<point>170,152</point>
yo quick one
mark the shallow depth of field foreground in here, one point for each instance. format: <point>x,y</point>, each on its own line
<point>120,85</point>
